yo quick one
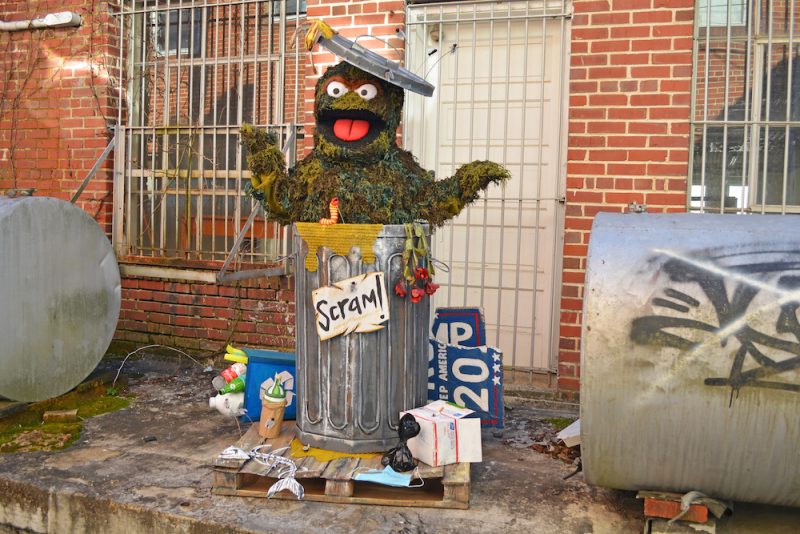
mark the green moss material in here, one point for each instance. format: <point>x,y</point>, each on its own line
<point>559,423</point>
<point>375,181</point>
<point>25,431</point>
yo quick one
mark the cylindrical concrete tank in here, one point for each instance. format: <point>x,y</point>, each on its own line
<point>691,355</point>
<point>353,387</point>
<point>59,297</point>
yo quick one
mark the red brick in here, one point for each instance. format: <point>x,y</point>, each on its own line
<point>588,141</point>
<point>586,60</point>
<point>584,196</point>
<point>630,59</point>
<point>627,169</point>
<point>647,155</point>
<point>587,113</point>
<point>670,113</point>
<point>622,45</point>
<point>649,17</point>
<point>651,44</point>
<point>608,100</point>
<point>591,6</point>
<point>607,155</point>
<point>669,30</point>
<point>667,169</point>
<point>613,18</point>
<point>697,513</point>
<point>624,198</point>
<point>631,32</point>
<point>572,384</point>
<point>589,34</point>
<point>666,199</point>
<point>673,4</point>
<point>627,113</point>
<point>606,127</point>
<point>647,128</point>
<point>659,71</point>
<point>683,58</point>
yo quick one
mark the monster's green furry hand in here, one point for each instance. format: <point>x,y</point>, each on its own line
<point>444,199</point>
<point>267,166</point>
<point>472,178</point>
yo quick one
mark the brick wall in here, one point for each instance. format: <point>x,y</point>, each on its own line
<point>630,83</point>
<point>629,104</point>
<point>56,98</point>
<point>205,316</point>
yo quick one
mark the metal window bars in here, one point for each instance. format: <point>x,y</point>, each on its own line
<point>745,135</point>
<point>191,73</point>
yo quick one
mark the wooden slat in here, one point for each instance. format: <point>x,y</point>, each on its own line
<point>338,476</point>
<point>282,441</point>
<point>429,471</point>
<point>445,487</point>
<point>456,474</point>
<point>310,467</point>
<point>250,439</point>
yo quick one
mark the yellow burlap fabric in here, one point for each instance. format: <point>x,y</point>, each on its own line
<point>340,238</point>
<point>323,455</point>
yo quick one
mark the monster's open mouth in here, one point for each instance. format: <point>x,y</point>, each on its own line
<point>350,128</point>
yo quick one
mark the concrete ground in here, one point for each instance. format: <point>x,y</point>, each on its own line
<point>147,468</point>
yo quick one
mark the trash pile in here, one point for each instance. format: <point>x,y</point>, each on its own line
<point>345,196</point>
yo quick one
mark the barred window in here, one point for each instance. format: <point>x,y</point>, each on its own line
<point>193,72</point>
<point>746,107</point>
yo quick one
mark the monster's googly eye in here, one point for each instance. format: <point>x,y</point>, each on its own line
<point>336,89</point>
<point>367,91</point>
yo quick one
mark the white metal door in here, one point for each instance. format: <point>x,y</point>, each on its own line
<point>500,74</point>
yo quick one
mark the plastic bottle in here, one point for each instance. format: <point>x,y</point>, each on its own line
<point>230,404</point>
<point>234,386</point>
<point>237,369</point>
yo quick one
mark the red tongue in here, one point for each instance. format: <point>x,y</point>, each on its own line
<point>350,130</point>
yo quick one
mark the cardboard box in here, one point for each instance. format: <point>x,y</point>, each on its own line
<point>447,435</point>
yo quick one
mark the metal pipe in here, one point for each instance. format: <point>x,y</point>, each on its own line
<point>63,19</point>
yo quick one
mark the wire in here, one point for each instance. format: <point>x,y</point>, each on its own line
<point>150,347</point>
<point>451,51</point>
<point>399,54</point>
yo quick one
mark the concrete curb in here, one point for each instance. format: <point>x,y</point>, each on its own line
<point>28,508</point>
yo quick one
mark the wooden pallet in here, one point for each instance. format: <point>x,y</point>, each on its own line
<point>445,487</point>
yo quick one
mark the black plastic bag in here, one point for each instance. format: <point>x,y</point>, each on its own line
<point>399,457</point>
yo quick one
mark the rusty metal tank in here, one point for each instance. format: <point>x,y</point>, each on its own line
<point>59,297</point>
<point>353,387</point>
<point>691,355</point>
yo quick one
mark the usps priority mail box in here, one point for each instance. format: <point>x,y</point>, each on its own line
<point>447,434</point>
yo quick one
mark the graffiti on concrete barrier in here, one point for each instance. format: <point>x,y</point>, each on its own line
<point>754,296</point>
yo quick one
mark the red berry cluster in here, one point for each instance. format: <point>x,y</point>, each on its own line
<point>421,285</point>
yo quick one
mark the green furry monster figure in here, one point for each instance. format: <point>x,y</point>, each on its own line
<point>356,159</point>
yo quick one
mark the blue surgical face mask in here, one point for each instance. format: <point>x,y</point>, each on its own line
<point>386,476</point>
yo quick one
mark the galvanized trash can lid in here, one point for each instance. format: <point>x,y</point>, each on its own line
<point>59,297</point>
<point>365,59</point>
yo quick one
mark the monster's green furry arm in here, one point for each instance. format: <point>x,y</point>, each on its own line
<point>450,195</point>
<point>267,167</point>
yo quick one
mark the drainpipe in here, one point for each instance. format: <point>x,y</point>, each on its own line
<point>64,19</point>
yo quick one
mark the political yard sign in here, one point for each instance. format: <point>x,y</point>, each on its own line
<point>461,368</point>
<point>357,304</point>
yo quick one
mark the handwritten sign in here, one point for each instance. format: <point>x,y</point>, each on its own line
<point>358,304</point>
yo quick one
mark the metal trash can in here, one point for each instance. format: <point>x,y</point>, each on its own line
<point>353,387</point>
<point>690,376</point>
